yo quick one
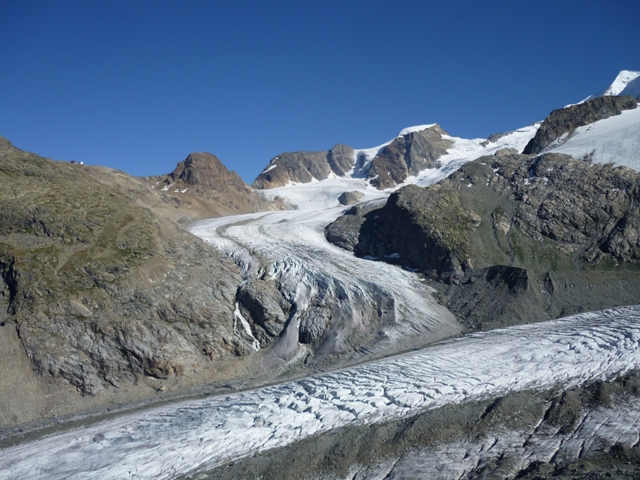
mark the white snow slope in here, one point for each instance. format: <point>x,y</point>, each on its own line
<point>626,83</point>
<point>177,439</point>
<point>612,140</point>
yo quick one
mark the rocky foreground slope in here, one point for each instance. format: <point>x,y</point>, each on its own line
<point>101,291</point>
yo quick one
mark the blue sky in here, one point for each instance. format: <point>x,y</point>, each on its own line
<point>139,85</point>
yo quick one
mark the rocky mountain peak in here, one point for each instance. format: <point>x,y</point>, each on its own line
<point>626,83</point>
<point>304,167</point>
<point>413,150</point>
<point>407,155</point>
<point>205,170</point>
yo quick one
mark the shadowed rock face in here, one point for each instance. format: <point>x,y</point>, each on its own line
<point>566,120</point>
<point>512,238</point>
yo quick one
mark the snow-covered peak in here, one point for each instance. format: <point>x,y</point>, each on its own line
<point>324,194</point>
<point>623,82</point>
<point>417,128</point>
<point>626,83</point>
<point>612,140</point>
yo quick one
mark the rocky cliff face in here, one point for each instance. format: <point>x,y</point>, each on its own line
<point>513,237</point>
<point>406,155</point>
<point>303,167</point>
<point>566,120</point>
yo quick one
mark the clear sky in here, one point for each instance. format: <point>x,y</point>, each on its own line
<point>138,85</point>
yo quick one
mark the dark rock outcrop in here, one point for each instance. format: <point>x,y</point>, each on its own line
<point>262,304</point>
<point>303,167</point>
<point>566,120</point>
<point>512,238</point>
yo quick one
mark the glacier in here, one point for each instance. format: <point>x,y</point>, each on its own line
<point>192,436</point>
<point>196,435</point>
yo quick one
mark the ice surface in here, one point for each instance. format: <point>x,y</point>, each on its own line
<point>374,298</point>
<point>185,437</point>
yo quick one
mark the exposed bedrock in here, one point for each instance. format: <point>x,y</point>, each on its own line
<point>303,167</point>
<point>407,155</point>
<point>512,238</point>
<point>99,287</point>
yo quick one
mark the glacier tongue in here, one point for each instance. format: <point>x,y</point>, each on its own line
<point>343,303</point>
<point>196,435</point>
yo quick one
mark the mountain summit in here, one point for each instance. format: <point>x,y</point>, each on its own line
<point>626,83</point>
<point>603,128</point>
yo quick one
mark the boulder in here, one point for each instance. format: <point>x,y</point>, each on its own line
<point>350,198</point>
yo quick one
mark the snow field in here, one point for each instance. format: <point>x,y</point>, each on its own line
<point>612,140</point>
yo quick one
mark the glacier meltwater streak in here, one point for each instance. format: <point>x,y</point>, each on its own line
<point>185,437</point>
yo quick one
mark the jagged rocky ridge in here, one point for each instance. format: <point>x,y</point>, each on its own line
<point>406,155</point>
<point>303,167</point>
